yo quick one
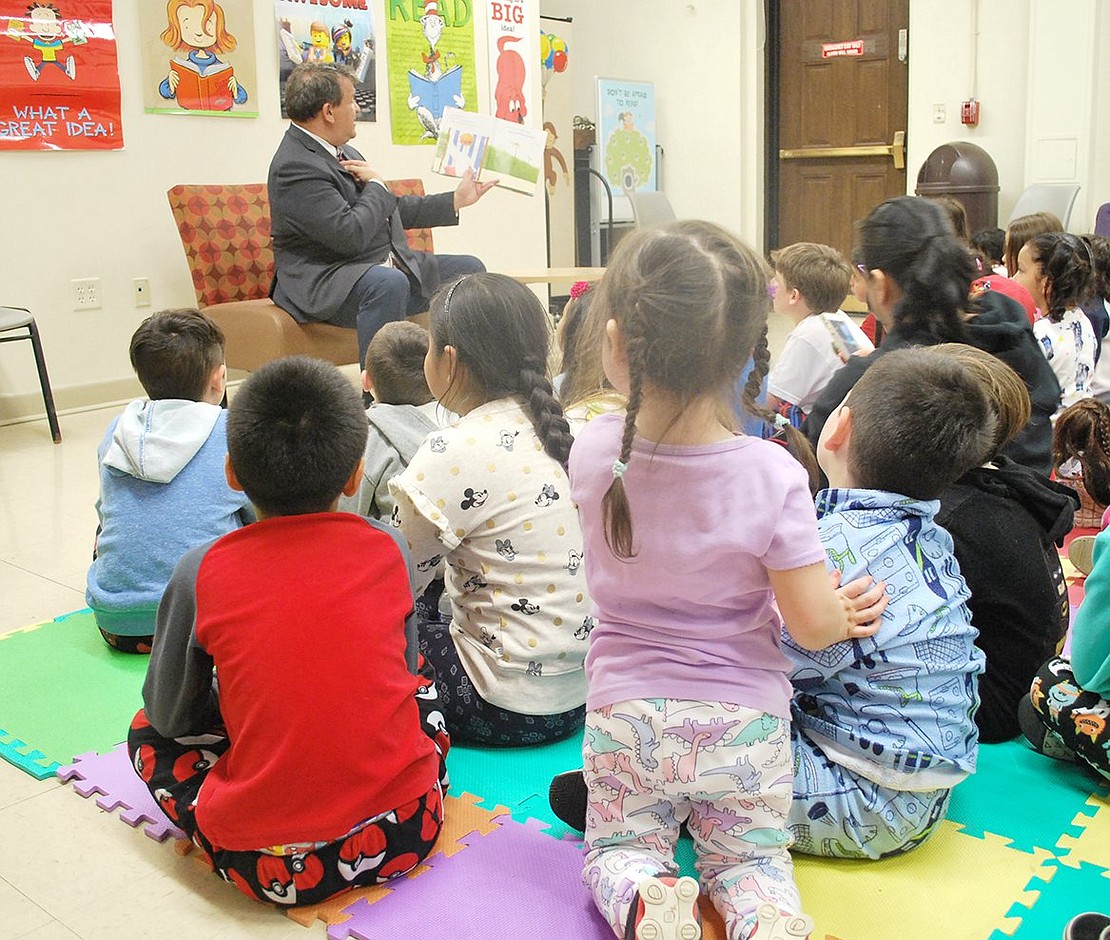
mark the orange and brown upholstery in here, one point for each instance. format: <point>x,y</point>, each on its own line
<point>225,231</point>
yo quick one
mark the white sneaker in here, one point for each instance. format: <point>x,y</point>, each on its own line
<point>667,910</point>
<point>773,924</point>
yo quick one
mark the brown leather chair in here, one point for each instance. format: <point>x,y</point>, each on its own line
<point>225,231</point>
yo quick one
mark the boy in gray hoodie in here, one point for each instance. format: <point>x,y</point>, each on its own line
<point>402,415</point>
<point>163,489</point>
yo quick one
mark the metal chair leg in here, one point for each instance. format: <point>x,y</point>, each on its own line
<point>44,382</point>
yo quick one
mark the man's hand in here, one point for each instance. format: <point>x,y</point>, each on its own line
<point>360,170</point>
<point>470,191</point>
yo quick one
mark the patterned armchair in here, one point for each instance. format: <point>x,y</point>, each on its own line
<point>225,231</point>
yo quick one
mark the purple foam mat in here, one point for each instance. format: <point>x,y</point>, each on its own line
<point>515,882</point>
<point>112,776</point>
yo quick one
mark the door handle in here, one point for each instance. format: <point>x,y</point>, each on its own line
<point>896,150</point>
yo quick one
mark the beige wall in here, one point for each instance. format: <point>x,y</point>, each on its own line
<point>72,215</point>
<point>75,215</point>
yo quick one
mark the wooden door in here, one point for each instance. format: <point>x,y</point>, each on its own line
<point>838,107</point>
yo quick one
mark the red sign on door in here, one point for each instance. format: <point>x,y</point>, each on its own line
<point>835,50</point>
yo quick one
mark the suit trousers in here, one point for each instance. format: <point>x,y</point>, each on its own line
<point>384,294</point>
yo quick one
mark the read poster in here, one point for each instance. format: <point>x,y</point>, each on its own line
<point>342,33</point>
<point>430,53</point>
<point>59,84</point>
<point>198,57</point>
<point>511,27</point>
<point>626,133</point>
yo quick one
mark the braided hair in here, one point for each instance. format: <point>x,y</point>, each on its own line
<point>690,301</point>
<point>1082,433</point>
<point>911,241</point>
<point>502,335</point>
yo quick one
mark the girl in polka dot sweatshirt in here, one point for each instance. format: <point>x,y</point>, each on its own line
<point>489,497</point>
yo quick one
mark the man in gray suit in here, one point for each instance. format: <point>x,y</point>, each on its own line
<point>338,232</point>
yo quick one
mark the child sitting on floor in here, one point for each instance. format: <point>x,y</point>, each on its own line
<point>1067,712</point>
<point>1058,271</point>
<point>809,280</point>
<point>883,726</point>
<point>402,415</point>
<point>1006,523</point>
<point>318,762</point>
<point>162,484</point>
<point>689,527</point>
<point>489,497</point>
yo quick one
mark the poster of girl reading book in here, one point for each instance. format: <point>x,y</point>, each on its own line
<point>199,78</point>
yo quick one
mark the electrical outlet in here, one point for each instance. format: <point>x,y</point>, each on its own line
<point>86,293</point>
<point>940,114</point>
<point>142,292</point>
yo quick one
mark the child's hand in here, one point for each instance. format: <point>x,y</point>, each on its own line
<point>864,600</point>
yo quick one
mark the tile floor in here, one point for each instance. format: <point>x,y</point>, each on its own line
<point>67,869</point>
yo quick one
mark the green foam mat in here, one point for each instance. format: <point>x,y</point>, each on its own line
<point>64,692</point>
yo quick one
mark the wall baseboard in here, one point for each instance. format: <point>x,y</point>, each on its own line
<point>28,407</point>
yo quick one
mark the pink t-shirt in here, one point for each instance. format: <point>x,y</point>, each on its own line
<point>691,615</point>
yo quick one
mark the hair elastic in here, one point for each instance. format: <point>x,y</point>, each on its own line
<point>781,422</point>
<point>619,466</point>
<point>578,288</point>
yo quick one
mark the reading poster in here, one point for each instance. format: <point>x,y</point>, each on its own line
<point>511,27</point>
<point>59,84</point>
<point>430,52</point>
<point>341,31</point>
<point>198,57</point>
<point>626,133</point>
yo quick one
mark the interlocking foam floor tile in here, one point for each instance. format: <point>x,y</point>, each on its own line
<point>64,692</point>
<point>1025,796</point>
<point>112,776</point>
<point>953,885</point>
<point>1092,845</point>
<point>517,777</point>
<point>1062,894</point>
<point>462,818</point>
<point>516,883</point>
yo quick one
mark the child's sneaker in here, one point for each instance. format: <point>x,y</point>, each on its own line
<point>1042,739</point>
<point>567,796</point>
<point>1081,553</point>
<point>666,909</point>
<point>1089,926</point>
<point>773,924</point>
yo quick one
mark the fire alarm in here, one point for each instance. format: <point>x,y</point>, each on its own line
<point>969,112</point>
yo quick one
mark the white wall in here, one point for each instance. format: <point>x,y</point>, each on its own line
<point>706,60</point>
<point>940,73</point>
<point>84,214</point>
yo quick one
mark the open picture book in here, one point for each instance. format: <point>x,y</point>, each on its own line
<point>492,148</point>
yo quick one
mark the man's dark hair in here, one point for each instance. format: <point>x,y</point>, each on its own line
<point>395,363</point>
<point>296,431</point>
<point>174,353</point>
<point>920,421</point>
<point>311,85</point>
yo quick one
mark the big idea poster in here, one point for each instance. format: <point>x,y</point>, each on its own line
<point>59,82</point>
<point>431,64</point>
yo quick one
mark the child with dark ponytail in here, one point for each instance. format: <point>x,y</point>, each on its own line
<point>489,497</point>
<point>691,531</point>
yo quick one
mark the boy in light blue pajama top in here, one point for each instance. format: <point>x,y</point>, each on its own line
<point>883,727</point>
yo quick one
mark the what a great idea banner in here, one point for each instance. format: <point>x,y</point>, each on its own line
<point>59,84</point>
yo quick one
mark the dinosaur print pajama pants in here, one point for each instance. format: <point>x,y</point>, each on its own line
<point>724,770</point>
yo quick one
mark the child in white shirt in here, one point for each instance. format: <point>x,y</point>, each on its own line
<point>810,279</point>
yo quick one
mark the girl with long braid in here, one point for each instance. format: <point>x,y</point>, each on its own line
<point>489,497</point>
<point>688,529</point>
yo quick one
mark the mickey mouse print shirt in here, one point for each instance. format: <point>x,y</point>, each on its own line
<point>485,497</point>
